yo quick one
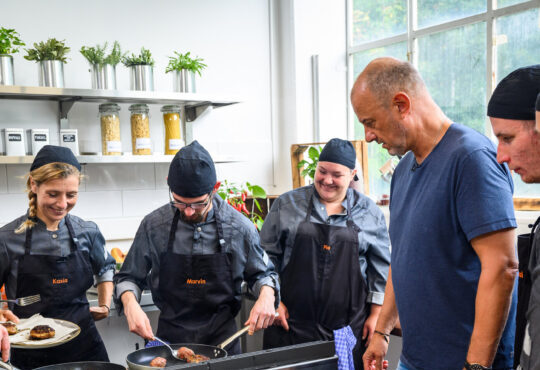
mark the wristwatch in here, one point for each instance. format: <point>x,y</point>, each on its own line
<point>468,366</point>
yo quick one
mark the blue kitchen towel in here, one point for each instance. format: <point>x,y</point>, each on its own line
<point>345,341</point>
<point>153,343</point>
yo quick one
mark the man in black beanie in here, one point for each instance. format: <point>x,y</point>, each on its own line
<point>330,246</point>
<point>194,253</point>
<point>511,111</point>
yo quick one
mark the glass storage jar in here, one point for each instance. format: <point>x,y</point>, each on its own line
<point>140,129</point>
<point>110,129</point>
<point>173,136</point>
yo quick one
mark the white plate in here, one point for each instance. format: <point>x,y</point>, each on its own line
<point>51,342</point>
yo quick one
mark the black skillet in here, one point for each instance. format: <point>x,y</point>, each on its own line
<point>85,365</point>
<point>140,360</point>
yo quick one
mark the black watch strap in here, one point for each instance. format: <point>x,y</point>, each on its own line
<point>469,366</point>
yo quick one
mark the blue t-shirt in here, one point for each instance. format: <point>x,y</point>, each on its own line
<point>458,193</point>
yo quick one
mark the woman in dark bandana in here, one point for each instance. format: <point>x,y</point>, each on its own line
<point>58,256</point>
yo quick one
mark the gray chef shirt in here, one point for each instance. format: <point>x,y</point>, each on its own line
<point>142,265</point>
<point>54,243</point>
<point>279,232</point>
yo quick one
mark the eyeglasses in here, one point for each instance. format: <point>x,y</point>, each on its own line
<point>194,206</point>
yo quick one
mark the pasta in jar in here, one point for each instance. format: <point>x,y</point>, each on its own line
<point>110,129</point>
<point>140,130</point>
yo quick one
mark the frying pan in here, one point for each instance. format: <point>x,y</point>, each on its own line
<point>86,365</point>
<point>140,360</point>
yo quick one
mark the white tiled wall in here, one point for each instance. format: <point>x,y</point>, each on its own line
<point>115,196</point>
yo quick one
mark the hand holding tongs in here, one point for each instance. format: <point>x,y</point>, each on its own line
<point>24,301</point>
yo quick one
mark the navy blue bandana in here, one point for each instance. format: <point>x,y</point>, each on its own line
<point>192,172</point>
<point>339,151</point>
<point>53,153</point>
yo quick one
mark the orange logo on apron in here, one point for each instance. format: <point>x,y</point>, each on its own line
<point>196,281</point>
<point>327,247</point>
<point>60,281</point>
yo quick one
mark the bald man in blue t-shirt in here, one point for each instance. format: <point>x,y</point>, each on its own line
<point>453,265</point>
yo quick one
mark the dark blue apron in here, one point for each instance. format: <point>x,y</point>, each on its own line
<point>40,274</point>
<point>198,295</point>
<point>322,286</point>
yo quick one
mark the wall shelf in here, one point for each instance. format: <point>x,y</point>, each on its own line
<point>193,104</point>
<point>86,159</point>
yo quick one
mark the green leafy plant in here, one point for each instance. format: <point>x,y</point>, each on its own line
<point>9,41</point>
<point>115,56</point>
<point>144,58</point>
<point>236,195</point>
<point>309,166</point>
<point>184,61</point>
<point>96,54</point>
<point>52,49</point>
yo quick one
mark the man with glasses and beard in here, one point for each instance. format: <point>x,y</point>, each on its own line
<point>193,254</point>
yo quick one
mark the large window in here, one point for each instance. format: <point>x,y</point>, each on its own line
<point>461,48</point>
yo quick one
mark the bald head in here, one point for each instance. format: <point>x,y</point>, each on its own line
<point>384,77</point>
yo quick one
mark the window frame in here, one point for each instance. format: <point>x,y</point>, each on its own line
<point>411,36</point>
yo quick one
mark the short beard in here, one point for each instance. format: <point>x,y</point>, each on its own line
<point>194,219</point>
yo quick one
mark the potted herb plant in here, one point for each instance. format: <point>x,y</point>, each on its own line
<point>184,67</point>
<point>141,70</point>
<point>103,67</point>
<point>9,44</point>
<point>51,56</point>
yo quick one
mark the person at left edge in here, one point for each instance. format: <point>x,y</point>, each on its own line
<point>194,253</point>
<point>49,252</point>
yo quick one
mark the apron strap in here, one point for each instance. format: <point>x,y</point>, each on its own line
<point>74,240</point>
<point>172,230</point>
<point>350,222</point>
<point>221,238</point>
<point>174,226</point>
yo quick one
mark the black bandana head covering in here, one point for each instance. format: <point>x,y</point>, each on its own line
<point>53,153</point>
<point>339,151</point>
<point>192,172</point>
<point>515,95</point>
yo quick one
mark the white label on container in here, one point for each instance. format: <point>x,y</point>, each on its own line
<point>114,146</point>
<point>14,137</point>
<point>40,137</point>
<point>143,143</point>
<point>68,138</point>
<point>175,144</point>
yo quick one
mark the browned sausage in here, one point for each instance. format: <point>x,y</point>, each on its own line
<point>158,362</point>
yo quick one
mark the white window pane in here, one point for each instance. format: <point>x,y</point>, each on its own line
<point>503,3</point>
<point>517,41</point>
<point>376,19</point>
<point>377,156</point>
<point>453,65</point>
<point>518,45</point>
<point>431,12</point>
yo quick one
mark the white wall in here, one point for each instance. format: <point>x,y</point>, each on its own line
<point>231,36</point>
<point>258,52</point>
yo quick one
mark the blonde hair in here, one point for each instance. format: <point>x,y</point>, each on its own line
<point>41,175</point>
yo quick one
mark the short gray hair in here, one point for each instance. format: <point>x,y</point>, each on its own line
<point>383,81</point>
